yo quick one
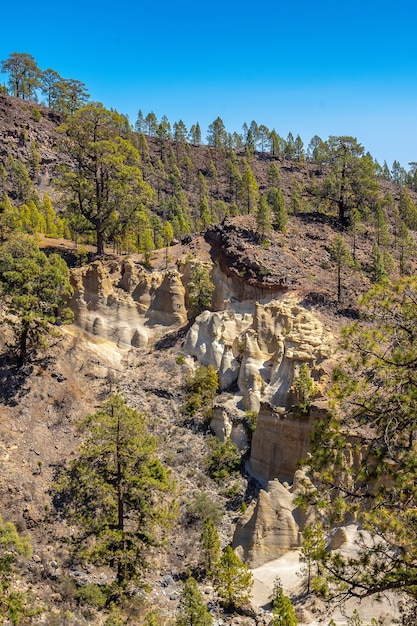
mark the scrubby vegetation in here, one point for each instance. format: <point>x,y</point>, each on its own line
<point>136,189</point>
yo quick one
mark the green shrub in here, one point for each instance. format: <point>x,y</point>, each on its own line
<point>92,594</point>
<point>223,460</point>
<point>251,420</point>
<point>36,114</point>
<point>202,386</point>
<point>305,389</point>
<point>203,508</point>
<point>232,490</point>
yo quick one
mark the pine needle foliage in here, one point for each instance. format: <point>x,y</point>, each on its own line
<point>232,580</point>
<point>364,456</point>
<point>117,491</point>
<point>192,609</point>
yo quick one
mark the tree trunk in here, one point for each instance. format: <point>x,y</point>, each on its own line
<point>120,508</point>
<point>100,242</point>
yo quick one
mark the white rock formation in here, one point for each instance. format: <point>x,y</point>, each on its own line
<point>272,525</point>
<point>126,304</point>
<point>262,350</point>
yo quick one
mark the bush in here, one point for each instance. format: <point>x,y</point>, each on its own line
<point>203,508</point>
<point>202,386</point>
<point>36,114</point>
<point>305,389</point>
<point>251,420</point>
<point>92,594</point>
<point>223,460</point>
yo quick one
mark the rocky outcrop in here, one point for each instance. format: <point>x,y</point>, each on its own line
<point>273,524</point>
<point>230,423</point>
<point>281,440</point>
<point>125,304</point>
<point>261,350</point>
<point>239,254</point>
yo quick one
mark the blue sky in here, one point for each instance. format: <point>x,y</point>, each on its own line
<point>311,68</point>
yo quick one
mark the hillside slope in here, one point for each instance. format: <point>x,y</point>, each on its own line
<point>275,305</point>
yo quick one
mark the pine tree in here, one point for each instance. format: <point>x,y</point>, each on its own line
<point>19,180</point>
<point>235,179</point>
<point>192,609</point>
<point>216,135</point>
<point>9,219</point>
<point>282,609</point>
<point>33,287</point>
<point>51,228</point>
<point>113,490</point>
<point>200,288</point>
<point>317,151</point>
<point>15,604</point>
<point>263,217</point>
<point>34,163</point>
<point>210,542</point>
<point>102,180</point>
<point>299,149</point>
<point>168,235</point>
<point>273,175</point>
<point>140,124</point>
<point>24,75</point>
<point>408,209</point>
<point>195,134</point>
<point>296,201</point>
<point>305,388</point>
<point>277,144</point>
<point>373,422</point>
<point>378,271</point>
<point>280,215</point>
<point>339,254</point>
<point>313,551</point>
<point>233,580</point>
<point>289,148</point>
<point>249,191</point>
<point>352,179</point>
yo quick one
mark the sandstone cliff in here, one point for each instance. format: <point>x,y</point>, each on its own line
<point>272,525</point>
<point>126,304</point>
<point>257,340</point>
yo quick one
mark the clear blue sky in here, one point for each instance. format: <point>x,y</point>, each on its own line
<point>309,67</point>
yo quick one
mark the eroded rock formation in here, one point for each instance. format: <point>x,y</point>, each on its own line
<point>257,349</point>
<point>126,304</point>
<point>281,440</point>
<point>261,351</point>
<point>273,524</point>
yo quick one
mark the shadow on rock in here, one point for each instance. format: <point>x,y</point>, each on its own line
<point>13,380</point>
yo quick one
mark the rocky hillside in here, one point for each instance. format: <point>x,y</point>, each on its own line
<point>28,136</point>
<point>131,331</point>
<point>274,308</point>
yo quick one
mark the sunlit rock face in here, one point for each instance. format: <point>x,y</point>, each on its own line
<point>281,440</point>
<point>261,351</point>
<point>273,524</point>
<point>126,304</point>
<point>230,423</point>
<point>258,356</point>
<point>215,339</point>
